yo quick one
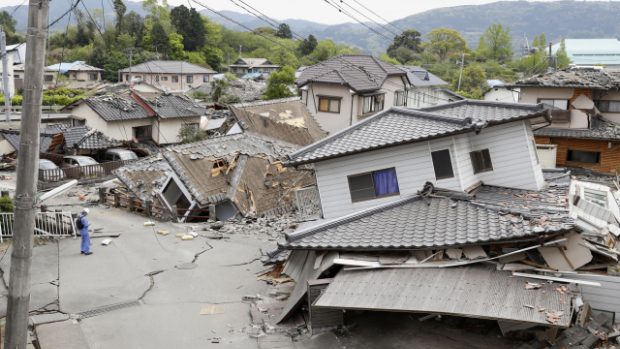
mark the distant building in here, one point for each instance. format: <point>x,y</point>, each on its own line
<point>427,89</point>
<point>49,77</point>
<point>79,74</point>
<point>498,91</point>
<point>171,76</point>
<point>245,66</point>
<point>592,52</point>
<point>344,90</point>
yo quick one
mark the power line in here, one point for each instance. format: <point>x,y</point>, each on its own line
<point>15,10</point>
<point>64,14</point>
<point>376,14</point>
<point>341,10</point>
<point>370,19</point>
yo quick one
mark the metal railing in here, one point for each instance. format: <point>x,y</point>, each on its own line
<point>55,224</point>
<point>308,203</point>
<point>82,172</point>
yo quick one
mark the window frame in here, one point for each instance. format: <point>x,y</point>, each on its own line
<point>435,164</point>
<point>484,158</point>
<point>370,175</point>
<point>608,104</point>
<point>400,98</point>
<point>330,99</point>
<point>175,79</point>
<point>570,152</point>
<point>375,105</point>
<point>189,79</point>
<point>540,100</point>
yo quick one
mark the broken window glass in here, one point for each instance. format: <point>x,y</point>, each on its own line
<point>442,164</point>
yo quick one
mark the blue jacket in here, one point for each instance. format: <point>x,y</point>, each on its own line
<point>85,224</point>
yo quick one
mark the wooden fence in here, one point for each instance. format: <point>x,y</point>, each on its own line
<point>81,172</point>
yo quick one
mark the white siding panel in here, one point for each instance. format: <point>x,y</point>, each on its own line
<point>462,145</point>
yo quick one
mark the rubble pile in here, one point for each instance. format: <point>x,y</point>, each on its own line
<point>271,228</point>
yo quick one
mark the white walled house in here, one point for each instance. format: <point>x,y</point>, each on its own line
<point>170,76</point>
<point>427,89</point>
<point>136,118</point>
<point>455,146</point>
<point>498,91</point>
<point>346,89</point>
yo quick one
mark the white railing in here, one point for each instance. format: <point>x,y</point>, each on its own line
<point>55,224</point>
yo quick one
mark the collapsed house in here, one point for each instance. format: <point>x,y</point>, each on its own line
<point>447,211</point>
<point>220,178</point>
<point>77,140</point>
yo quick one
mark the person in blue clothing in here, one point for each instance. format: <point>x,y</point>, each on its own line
<point>84,232</point>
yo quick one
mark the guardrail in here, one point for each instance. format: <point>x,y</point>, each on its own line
<point>55,224</point>
<point>81,172</point>
<point>44,108</point>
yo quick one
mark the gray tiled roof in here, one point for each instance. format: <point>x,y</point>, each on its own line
<point>490,111</point>
<point>83,67</point>
<point>361,73</point>
<point>168,67</point>
<point>575,77</point>
<point>405,125</point>
<point>115,108</point>
<point>420,77</point>
<point>426,222</point>
<point>600,130</point>
<point>171,106</point>
<point>14,139</point>
<point>253,62</point>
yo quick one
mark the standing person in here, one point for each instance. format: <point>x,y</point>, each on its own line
<point>83,225</point>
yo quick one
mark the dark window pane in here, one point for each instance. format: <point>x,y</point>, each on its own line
<point>481,161</point>
<point>442,164</point>
<point>590,157</point>
<point>361,187</point>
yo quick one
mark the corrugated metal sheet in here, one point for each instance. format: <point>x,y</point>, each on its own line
<point>476,291</point>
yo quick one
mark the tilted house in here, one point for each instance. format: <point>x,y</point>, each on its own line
<point>454,146</point>
<point>132,117</point>
<point>78,140</point>
<point>584,130</point>
<point>344,90</point>
<point>171,76</point>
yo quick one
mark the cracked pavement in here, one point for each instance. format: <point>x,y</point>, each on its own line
<point>142,265</point>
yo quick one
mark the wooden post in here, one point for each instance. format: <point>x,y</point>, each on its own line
<point>102,195</point>
<point>131,203</point>
<point>16,332</point>
<point>148,208</point>
<point>117,200</point>
<point>212,215</point>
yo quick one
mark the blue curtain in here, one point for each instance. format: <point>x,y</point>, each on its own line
<point>385,182</point>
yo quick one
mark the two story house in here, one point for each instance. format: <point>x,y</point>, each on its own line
<point>455,146</point>
<point>427,89</point>
<point>245,66</point>
<point>171,76</point>
<point>585,129</point>
<point>344,90</point>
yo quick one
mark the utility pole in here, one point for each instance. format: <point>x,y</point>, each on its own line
<point>5,76</point>
<point>130,59</point>
<point>16,332</point>
<point>551,65</point>
<point>458,88</point>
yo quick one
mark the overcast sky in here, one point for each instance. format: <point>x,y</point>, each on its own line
<point>320,11</point>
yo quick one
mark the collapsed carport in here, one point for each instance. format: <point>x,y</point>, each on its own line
<point>478,291</point>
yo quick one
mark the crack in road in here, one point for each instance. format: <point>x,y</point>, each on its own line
<point>244,263</point>
<point>201,252</point>
<point>152,281</point>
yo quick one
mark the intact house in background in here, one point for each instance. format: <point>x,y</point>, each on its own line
<point>499,91</point>
<point>78,74</point>
<point>427,89</point>
<point>592,52</point>
<point>584,130</point>
<point>344,90</point>
<point>245,66</point>
<point>49,77</point>
<point>454,146</point>
<point>132,117</point>
<point>171,76</point>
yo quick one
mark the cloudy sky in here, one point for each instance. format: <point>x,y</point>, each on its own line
<point>320,11</point>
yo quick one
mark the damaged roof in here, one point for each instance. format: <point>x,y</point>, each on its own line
<point>405,125</point>
<point>600,129</point>
<point>361,73</point>
<point>245,143</point>
<point>286,119</point>
<point>169,106</point>
<point>434,221</point>
<point>474,291</point>
<point>14,137</point>
<point>145,176</point>
<point>117,107</point>
<point>82,137</point>
<point>591,78</point>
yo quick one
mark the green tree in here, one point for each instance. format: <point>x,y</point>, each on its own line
<point>268,31</point>
<point>8,24</point>
<point>562,60</point>
<point>175,43</point>
<point>474,81</point>
<point>406,46</point>
<point>159,39</point>
<point>218,89</point>
<point>496,43</point>
<point>119,9</point>
<point>537,61</point>
<point>284,31</point>
<point>279,82</point>
<point>189,133</point>
<point>188,23</point>
<point>445,44</point>
<point>133,24</point>
<point>308,45</point>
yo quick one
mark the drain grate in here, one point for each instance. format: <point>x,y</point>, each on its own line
<point>107,309</point>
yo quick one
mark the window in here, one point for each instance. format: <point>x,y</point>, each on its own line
<point>175,78</point>
<point>442,164</point>
<point>17,76</point>
<point>400,98</point>
<point>481,161</point>
<point>157,78</point>
<point>329,104</point>
<point>48,77</point>
<point>205,78</point>
<point>126,77</point>
<point>373,185</point>
<point>192,125</point>
<point>189,79</point>
<point>609,106</point>
<point>164,78</point>
<point>373,103</point>
<point>595,196</point>
<point>590,157</point>
<point>557,103</point>
<point>94,76</point>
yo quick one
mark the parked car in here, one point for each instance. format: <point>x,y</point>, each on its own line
<point>77,166</point>
<point>117,154</point>
<point>51,172</point>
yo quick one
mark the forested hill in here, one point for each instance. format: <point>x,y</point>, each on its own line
<point>576,19</point>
